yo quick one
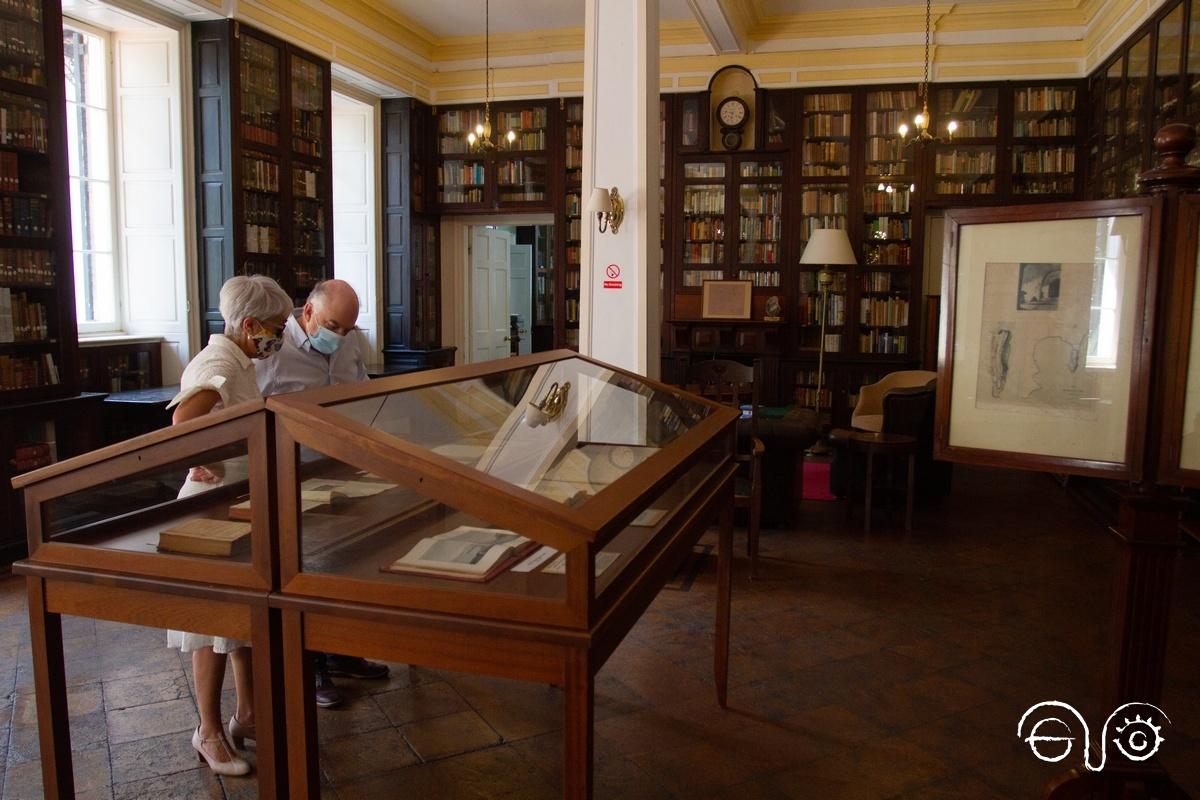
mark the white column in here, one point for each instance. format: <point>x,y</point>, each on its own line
<point>619,316</point>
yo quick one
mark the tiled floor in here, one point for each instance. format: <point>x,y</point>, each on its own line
<point>878,667</point>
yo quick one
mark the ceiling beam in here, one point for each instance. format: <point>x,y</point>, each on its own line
<point>726,23</point>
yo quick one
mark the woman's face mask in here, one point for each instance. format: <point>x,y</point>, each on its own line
<point>326,341</point>
<point>266,341</point>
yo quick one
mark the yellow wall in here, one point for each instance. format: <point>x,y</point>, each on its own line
<point>979,41</point>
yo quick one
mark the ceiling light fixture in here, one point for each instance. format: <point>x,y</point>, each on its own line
<point>480,139</point>
<point>923,121</point>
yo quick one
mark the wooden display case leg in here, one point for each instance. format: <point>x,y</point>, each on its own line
<point>268,704</point>
<point>50,683</point>
<point>577,733</point>
<point>303,757</point>
<point>724,587</point>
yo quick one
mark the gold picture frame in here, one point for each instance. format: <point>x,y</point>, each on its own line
<point>726,299</point>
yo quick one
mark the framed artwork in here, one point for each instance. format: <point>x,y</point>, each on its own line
<point>1179,453</point>
<point>1045,336</point>
<point>726,299</point>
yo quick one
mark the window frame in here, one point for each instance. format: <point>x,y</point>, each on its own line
<point>117,324</point>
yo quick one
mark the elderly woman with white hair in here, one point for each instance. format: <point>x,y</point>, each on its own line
<point>254,308</point>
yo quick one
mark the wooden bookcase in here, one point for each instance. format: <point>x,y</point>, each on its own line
<point>411,242</point>
<point>263,162</point>
<point>569,218</point>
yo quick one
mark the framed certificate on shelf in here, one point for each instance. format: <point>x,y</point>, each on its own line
<point>726,299</point>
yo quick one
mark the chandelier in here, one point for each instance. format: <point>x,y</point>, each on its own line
<point>480,139</point>
<point>922,121</point>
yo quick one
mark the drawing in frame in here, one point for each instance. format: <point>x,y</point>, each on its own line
<point>1179,453</point>
<point>726,299</point>
<point>1045,336</point>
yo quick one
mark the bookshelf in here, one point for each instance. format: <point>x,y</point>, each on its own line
<point>1191,78</point>
<point>1168,65</point>
<point>572,223</point>
<point>263,163</point>
<point>514,175</point>
<point>825,124</point>
<point>968,164</point>
<point>1045,140</point>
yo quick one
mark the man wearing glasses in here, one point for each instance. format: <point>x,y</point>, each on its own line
<point>321,347</point>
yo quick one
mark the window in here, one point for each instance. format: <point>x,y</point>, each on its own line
<point>1104,327</point>
<point>89,156</point>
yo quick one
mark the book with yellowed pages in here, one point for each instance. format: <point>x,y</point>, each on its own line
<point>465,553</point>
<point>206,537</point>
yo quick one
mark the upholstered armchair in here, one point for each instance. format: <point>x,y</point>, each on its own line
<point>868,413</point>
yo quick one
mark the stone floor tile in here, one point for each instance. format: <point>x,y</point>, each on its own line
<point>196,784</point>
<point>154,719</point>
<point>355,715</point>
<point>423,701</point>
<point>515,709</point>
<point>154,757</point>
<point>449,735</point>
<point>140,690</point>
<point>364,755</point>
<point>23,781</point>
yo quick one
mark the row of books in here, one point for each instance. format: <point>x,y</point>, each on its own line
<point>262,239</point>
<point>31,455</point>
<point>572,309</point>
<point>10,172</point>
<point>966,100</point>
<point>260,209</point>
<point>827,102</point>
<point>886,123</point>
<point>26,9</point>
<point>968,161</point>
<point>307,130</point>
<point>981,185</point>
<point>526,119</point>
<point>514,172</point>
<point>574,113</point>
<point>762,169</point>
<point>697,277</point>
<point>573,229</point>
<point>703,200</point>
<point>825,152</point>
<point>976,128</point>
<point>893,253</point>
<point>574,157</point>
<point>807,396</point>
<point>526,196</point>
<point>571,279</point>
<point>461,173</point>
<point>256,133</point>
<point>573,254</point>
<point>1048,98</point>
<point>23,122</point>
<point>525,140</point>
<point>889,312</point>
<point>22,319</point>
<point>26,266</point>
<point>810,224</point>
<point>1060,159</point>
<point>25,372</point>
<point>460,195</point>
<point>876,201</point>
<point>760,278</point>
<point>824,201</point>
<point>765,228</point>
<point>306,183</point>
<point>766,201</point>
<point>571,337</point>
<point>460,121</point>
<point>704,169</point>
<point>821,125</point>
<point>882,342</point>
<point>889,281</point>
<point>24,216</point>
<point>21,51</point>
<point>574,204</point>
<point>902,99</point>
<point>889,228</point>
<point>1054,126</point>
<point>308,241</point>
<point>758,253</point>
<point>808,310</point>
<point>703,253</point>
<point>260,173</point>
<point>1044,185</point>
<point>888,147</point>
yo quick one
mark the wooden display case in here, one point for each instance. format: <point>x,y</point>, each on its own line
<point>622,481</point>
<point>263,162</point>
<point>94,522</point>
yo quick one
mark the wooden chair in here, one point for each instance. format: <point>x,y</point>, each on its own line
<point>732,383</point>
<point>868,413</point>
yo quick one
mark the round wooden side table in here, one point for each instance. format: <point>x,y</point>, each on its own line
<point>888,445</point>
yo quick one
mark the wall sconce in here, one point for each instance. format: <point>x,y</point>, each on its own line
<point>550,407</point>
<point>609,208</point>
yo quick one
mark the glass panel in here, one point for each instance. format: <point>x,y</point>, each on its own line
<point>453,127</point>
<point>886,154</point>
<point>1044,111</point>
<point>522,129</point>
<point>826,128</point>
<point>564,430</point>
<point>460,181</point>
<point>1113,80</point>
<point>706,169</point>
<point>22,53</point>
<point>823,207</point>
<point>777,119</point>
<point>574,136</point>
<point>1136,90</point>
<point>689,123</point>
<point>760,229</point>
<point>964,170</point>
<point>358,525</point>
<point>261,95</point>
<point>308,211</point>
<point>1043,170</point>
<point>703,228</point>
<point>974,110</point>
<point>308,107</point>
<point>808,317</point>
<point>1167,66</point>
<point>521,180</point>
<point>130,512</point>
<point>1193,63</point>
<point>1189,450</point>
<point>23,122</point>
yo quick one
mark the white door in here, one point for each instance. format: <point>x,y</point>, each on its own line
<point>520,289</point>
<point>354,207</point>
<point>489,293</point>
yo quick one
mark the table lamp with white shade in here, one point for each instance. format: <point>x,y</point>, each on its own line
<point>826,247</point>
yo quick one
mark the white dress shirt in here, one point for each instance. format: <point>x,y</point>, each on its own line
<point>298,366</point>
<point>223,368</point>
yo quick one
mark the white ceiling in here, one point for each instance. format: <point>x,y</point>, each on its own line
<point>465,17</point>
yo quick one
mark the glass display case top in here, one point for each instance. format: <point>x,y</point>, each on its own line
<point>564,430</point>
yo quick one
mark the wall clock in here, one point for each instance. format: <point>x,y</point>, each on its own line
<point>732,115</point>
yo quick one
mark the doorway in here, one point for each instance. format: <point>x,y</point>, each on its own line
<point>510,288</point>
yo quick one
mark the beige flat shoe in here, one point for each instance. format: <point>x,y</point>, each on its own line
<point>239,733</point>
<point>218,755</point>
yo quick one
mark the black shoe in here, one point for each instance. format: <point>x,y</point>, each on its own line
<point>355,667</point>
<point>327,693</point>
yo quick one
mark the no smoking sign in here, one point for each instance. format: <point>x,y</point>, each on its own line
<point>612,275</point>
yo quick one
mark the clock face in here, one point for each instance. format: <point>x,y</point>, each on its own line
<point>732,112</point>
